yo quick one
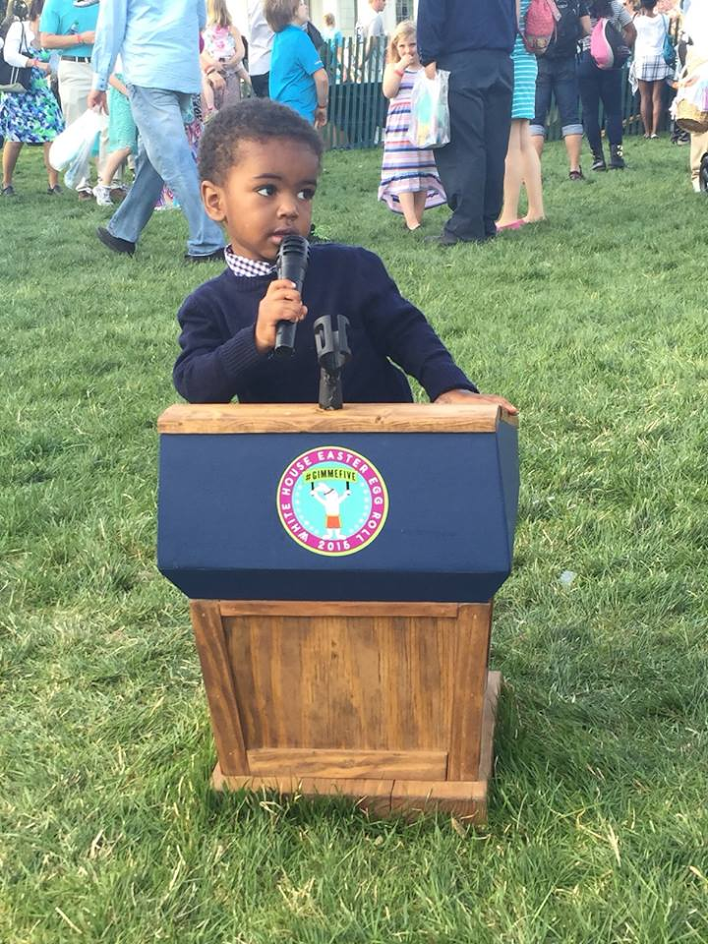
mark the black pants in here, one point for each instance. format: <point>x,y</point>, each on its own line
<point>600,85</point>
<point>260,85</point>
<point>471,166</point>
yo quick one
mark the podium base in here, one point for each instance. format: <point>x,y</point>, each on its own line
<point>466,800</point>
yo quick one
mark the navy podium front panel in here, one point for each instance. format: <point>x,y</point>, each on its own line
<point>448,535</point>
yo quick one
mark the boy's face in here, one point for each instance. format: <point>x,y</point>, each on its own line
<point>267,195</point>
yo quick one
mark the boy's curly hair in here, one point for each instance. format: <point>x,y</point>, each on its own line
<point>255,119</point>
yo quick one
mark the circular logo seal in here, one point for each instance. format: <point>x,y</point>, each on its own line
<point>332,501</point>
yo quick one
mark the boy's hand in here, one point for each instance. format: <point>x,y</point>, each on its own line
<point>282,302</point>
<point>468,396</point>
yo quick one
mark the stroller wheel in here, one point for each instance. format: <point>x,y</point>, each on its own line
<point>703,174</point>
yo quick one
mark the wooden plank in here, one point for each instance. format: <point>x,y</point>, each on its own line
<point>353,764</point>
<point>364,683</point>
<point>467,801</point>
<point>354,418</point>
<point>473,633</point>
<point>303,608</point>
<point>372,795</point>
<point>219,686</point>
<point>486,760</point>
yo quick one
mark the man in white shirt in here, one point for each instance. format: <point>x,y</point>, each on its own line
<point>371,31</point>
<point>371,25</point>
<point>260,46</point>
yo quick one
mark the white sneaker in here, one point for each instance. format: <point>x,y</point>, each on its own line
<point>103,195</point>
<point>696,184</point>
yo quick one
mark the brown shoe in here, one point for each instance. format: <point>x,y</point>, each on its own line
<point>85,195</point>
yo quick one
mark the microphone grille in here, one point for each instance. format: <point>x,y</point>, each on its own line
<point>295,243</point>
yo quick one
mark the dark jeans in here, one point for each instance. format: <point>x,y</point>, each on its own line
<point>471,166</point>
<point>260,85</point>
<point>600,85</point>
<point>558,78</point>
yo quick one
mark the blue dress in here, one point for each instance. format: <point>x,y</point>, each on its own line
<point>31,117</point>
<point>525,72</point>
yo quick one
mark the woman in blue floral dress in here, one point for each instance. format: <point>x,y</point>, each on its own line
<point>31,117</point>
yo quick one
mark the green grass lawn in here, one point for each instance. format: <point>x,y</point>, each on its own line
<point>595,325</point>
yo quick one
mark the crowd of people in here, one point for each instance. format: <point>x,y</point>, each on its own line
<point>161,73</point>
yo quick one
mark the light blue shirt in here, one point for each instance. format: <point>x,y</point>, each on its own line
<point>62,18</point>
<point>158,41</point>
<point>292,64</point>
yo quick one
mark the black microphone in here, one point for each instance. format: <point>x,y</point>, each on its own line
<point>292,265</point>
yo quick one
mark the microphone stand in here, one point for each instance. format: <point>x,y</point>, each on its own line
<point>332,354</point>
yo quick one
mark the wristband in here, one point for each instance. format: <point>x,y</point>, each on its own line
<point>398,72</point>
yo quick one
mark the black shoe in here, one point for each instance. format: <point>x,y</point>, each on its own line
<point>576,174</point>
<point>444,240</point>
<point>8,191</point>
<point>115,242</point>
<point>54,191</point>
<point>616,158</point>
<point>598,161</point>
<point>216,256</point>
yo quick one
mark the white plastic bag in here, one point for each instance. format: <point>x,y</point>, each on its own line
<point>430,116</point>
<point>71,149</point>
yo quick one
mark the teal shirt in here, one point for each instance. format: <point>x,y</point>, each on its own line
<point>63,18</point>
<point>292,64</point>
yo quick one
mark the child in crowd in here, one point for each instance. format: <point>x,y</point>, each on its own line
<point>297,74</point>
<point>650,67</point>
<point>122,136</point>
<point>409,178</point>
<point>223,53</point>
<point>523,165</point>
<point>259,163</point>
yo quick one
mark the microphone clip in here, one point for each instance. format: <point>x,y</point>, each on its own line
<point>333,353</point>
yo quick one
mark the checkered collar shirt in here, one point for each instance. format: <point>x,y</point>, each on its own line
<point>248,268</point>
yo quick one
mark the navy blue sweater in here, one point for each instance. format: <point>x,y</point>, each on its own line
<point>219,359</point>
<point>446,26</point>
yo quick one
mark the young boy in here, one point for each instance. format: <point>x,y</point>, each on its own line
<point>259,163</point>
<point>297,74</point>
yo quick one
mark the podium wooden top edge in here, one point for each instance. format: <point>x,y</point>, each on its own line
<point>216,418</point>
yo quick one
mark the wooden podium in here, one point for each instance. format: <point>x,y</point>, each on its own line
<point>341,567</point>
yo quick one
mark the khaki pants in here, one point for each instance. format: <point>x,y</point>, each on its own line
<point>699,142</point>
<point>74,87</point>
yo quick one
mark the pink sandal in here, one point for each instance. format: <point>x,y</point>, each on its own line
<point>517,224</point>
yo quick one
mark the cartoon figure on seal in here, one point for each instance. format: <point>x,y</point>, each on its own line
<point>331,500</point>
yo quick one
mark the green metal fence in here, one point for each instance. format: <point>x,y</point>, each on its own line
<point>357,107</point>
